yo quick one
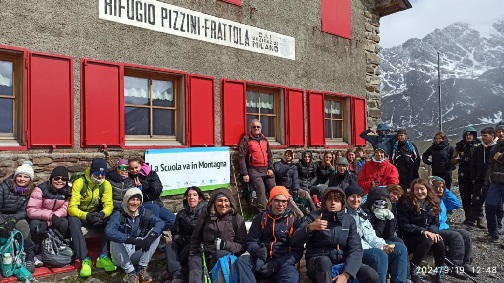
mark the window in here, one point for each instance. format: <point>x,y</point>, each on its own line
<point>333,119</point>
<point>264,104</point>
<point>11,99</point>
<point>152,107</point>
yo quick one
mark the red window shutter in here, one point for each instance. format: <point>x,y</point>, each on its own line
<point>233,111</point>
<point>102,87</point>
<point>51,100</point>
<point>358,120</point>
<point>316,134</point>
<point>337,17</point>
<point>295,114</point>
<point>235,2</point>
<point>201,111</point>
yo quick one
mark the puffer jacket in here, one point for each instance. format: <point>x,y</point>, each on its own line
<point>119,186</point>
<point>383,171</point>
<point>441,155</point>
<point>307,172</point>
<point>324,172</point>
<point>383,228</point>
<point>79,205</point>
<point>273,231</point>
<point>12,203</point>
<point>342,180</point>
<point>151,185</point>
<point>466,148</point>
<point>45,201</point>
<point>286,174</point>
<point>449,202</point>
<point>495,170</point>
<point>185,223</point>
<point>369,239</point>
<point>212,226</point>
<point>341,231</point>
<point>411,223</point>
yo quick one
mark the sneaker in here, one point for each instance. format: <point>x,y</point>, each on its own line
<point>488,239</point>
<point>86,267</point>
<point>105,263</point>
<point>144,276</point>
<point>30,265</point>
<point>38,263</point>
<point>130,278</point>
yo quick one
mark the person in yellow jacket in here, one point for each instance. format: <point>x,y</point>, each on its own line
<point>90,206</point>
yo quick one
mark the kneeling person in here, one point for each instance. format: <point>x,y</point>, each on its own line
<point>134,235</point>
<point>269,243</point>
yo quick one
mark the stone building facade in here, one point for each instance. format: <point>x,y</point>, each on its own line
<point>65,67</point>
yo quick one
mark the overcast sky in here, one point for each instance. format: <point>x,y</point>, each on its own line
<point>427,15</point>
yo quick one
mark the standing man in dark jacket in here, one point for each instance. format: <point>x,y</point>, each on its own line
<point>478,167</point>
<point>406,159</point>
<point>332,240</point>
<point>494,183</point>
<point>382,135</point>
<point>441,152</point>
<point>462,157</point>
<point>272,254</point>
<point>256,162</point>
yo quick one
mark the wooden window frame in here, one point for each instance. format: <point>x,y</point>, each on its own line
<point>346,121</point>
<point>278,110</point>
<point>178,81</point>
<point>15,139</point>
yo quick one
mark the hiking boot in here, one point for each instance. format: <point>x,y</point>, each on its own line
<point>488,239</point>
<point>105,263</point>
<point>30,265</point>
<point>416,275</point>
<point>468,225</point>
<point>38,263</point>
<point>470,270</point>
<point>440,274</point>
<point>86,267</point>
<point>143,275</point>
<point>481,223</point>
<point>130,278</point>
<point>458,272</point>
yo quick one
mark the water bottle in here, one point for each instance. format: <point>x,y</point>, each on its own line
<point>7,269</point>
<point>253,198</point>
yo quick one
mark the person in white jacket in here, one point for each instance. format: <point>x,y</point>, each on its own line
<point>384,257</point>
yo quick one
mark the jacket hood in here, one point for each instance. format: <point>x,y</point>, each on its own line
<point>375,194</point>
<point>224,191</point>
<point>303,155</point>
<point>470,130</point>
<point>337,189</point>
<point>127,195</point>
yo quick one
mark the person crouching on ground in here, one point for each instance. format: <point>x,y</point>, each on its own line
<point>134,235</point>
<point>269,243</point>
<point>220,230</point>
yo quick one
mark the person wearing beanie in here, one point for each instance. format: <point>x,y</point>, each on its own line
<point>441,152</point>
<point>90,206</point>
<point>120,180</point>
<point>382,212</point>
<point>384,257</point>
<point>330,258</point>
<point>177,252</point>
<point>405,158</point>
<point>378,171</point>
<point>383,135</point>
<point>342,176</point>
<point>272,254</point>
<point>15,192</point>
<point>134,234</point>
<point>48,205</point>
<point>220,229</point>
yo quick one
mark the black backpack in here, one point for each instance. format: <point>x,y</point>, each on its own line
<point>55,252</point>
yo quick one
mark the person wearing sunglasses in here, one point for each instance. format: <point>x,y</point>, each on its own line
<point>121,181</point>
<point>90,206</point>
<point>48,204</point>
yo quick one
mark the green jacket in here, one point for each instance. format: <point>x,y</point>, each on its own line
<point>80,205</point>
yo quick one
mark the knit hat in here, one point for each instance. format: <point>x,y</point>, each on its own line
<point>380,146</point>
<point>59,171</point>
<point>130,193</point>
<point>278,190</point>
<point>121,161</point>
<point>342,161</point>
<point>98,164</point>
<point>26,169</point>
<point>499,126</point>
<point>354,188</point>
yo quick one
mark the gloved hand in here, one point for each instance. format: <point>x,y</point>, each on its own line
<point>383,214</point>
<point>220,244</point>
<point>179,240</point>
<point>266,270</point>
<point>139,243</point>
<point>56,221</point>
<point>10,223</point>
<point>95,218</point>
<point>262,252</point>
<point>149,240</point>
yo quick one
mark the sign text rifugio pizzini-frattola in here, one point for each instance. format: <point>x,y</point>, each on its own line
<point>164,16</point>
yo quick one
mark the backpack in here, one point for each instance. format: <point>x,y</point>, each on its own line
<point>14,246</point>
<point>55,252</point>
<point>81,175</point>
<point>224,271</point>
<point>302,204</point>
<point>145,219</point>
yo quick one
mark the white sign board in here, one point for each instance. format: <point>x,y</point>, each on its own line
<point>166,18</point>
<point>179,168</point>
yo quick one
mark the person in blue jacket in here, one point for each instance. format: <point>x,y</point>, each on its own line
<point>382,135</point>
<point>134,235</point>
<point>458,241</point>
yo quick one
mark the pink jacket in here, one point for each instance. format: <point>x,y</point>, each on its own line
<point>43,208</point>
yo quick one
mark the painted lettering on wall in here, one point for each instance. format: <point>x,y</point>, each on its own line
<point>170,19</point>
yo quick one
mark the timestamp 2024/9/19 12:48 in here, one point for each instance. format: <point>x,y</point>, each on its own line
<point>450,269</point>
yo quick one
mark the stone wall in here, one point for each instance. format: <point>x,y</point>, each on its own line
<point>372,49</point>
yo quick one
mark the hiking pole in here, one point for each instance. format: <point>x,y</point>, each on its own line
<point>236,184</point>
<point>206,275</point>
<point>462,269</point>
